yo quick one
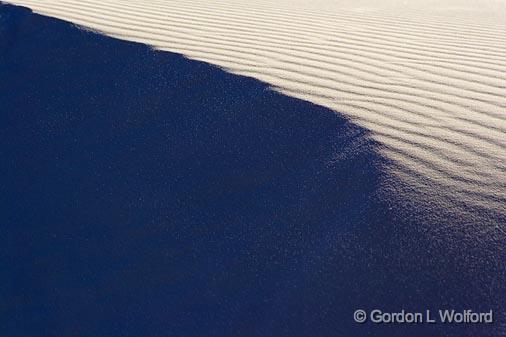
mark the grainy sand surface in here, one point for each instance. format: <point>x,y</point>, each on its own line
<point>428,78</point>
<point>167,191</point>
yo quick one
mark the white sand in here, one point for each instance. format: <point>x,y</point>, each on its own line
<point>428,78</point>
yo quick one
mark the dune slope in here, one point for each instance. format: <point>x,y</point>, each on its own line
<point>427,78</point>
<point>147,194</point>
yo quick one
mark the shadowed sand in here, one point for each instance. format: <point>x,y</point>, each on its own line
<point>145,194</point>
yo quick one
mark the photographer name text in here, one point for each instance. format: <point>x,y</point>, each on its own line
<point>442,316</point>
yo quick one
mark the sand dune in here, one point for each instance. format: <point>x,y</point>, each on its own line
<point>428,79</point>
<point>147,193</point>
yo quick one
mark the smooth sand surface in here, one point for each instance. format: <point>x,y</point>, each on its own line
<point>428,78</point>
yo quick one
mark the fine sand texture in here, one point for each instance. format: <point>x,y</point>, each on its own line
<point>145,193</point>
<point>428,78</point>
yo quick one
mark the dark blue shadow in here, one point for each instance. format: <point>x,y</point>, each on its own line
<point>145,194</point>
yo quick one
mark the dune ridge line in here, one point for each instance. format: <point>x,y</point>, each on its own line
<point>427,79</point>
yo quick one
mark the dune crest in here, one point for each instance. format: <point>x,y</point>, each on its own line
<point>428,79</point>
